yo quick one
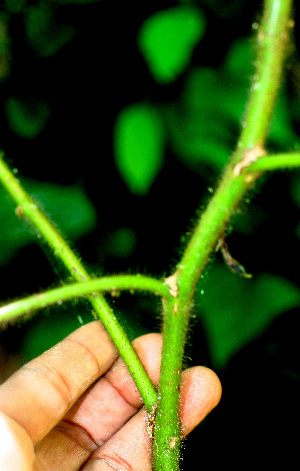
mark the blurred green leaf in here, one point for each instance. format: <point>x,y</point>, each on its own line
<point>295,195</point>
<point>44,33</point>
<point>68,206</point>
<point>46,331</point>
<point>219,7</point>
<point>295,190</point>
<point>234,310</point>
<point>240,58</point>
<point>201,131</point>
<point>167,40</point>
<point>15,6</point>
<point>5,49</point>
<point>80,2</point>
<point>139,146</point>
<point>281,132</point>
<point>206,122</point>
<point>27,118</point>
<point>247,219</point>
<point>122,242</point>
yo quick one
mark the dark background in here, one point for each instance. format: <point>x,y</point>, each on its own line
<point>86,83</point>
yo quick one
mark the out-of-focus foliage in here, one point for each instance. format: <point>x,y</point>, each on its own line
<point>203,126</point>
<point>139,146</point>
<point>234,310</point>
<point>68,207</point>
<point>60,321</point>
<point>79,2</point>
<point>4,48</point>
<point>209,117</point>
<point>27,117</point>
<point>295,194</point>
<point>45,35</point>
<point>167,39</point>
<point>121,242</point>
<point>220,8</point>
<point>15,6</point>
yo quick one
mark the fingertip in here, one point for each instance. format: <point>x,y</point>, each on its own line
<point>201,392</point>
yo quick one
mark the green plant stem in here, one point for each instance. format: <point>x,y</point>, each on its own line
<point>29,209</point>
<point>275,162</point>
<point>272,35</point>
<point>112,284</point>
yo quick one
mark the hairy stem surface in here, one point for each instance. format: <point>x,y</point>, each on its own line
<point>210,230</point>
<point>110,284</point>
<point>102,311</point>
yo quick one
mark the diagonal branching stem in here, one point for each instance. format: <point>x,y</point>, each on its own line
<point>271,39</point>
<point>112,284</point>
<point>102,311</point>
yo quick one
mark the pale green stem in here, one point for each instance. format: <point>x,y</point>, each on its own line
<point>272,35</point>
<point>112,284</point>
<point>275,162</point>
<point>29,209</point>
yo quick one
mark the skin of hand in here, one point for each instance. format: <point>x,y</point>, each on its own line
<point>75,407</point>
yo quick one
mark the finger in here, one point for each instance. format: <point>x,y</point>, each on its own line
<point>130,447</point>
<point>102,410</point>
<point>110,402</point>
<point>16,448</point>
<point>201,392</point>
<point>39,394</point>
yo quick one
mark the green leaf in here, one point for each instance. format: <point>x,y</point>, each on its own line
<point>234,310</point>
<point>239,60</point>
<point>5,46</point>
<point>201,131</point>
<point>79,2</point>
<point>295,195</point>
<point>239,68</point>
<point>27,118</point>
<point>281,132</point>
<point>44,33</point>
<point>295,190</point>
<point>69,207</point>
<point>122,242</point>
<point>139,146</point>
<point>167,40</point>
<point>204,124</point>
<point>15,6</point>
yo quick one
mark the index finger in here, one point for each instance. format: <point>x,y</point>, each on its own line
<point>39,394</point>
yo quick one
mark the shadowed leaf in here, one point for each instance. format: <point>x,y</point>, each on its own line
<point>234,310</point>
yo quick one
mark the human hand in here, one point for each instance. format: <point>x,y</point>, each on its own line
<point>75,407</point>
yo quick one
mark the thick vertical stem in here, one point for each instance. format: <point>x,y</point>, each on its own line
<point>272,35</point>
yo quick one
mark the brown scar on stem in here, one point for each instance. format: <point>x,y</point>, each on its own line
<point>172,442</point>
<point>151,421</point>
<point>172,284</point>
<point>19,211</point>
<point>250,156</point>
